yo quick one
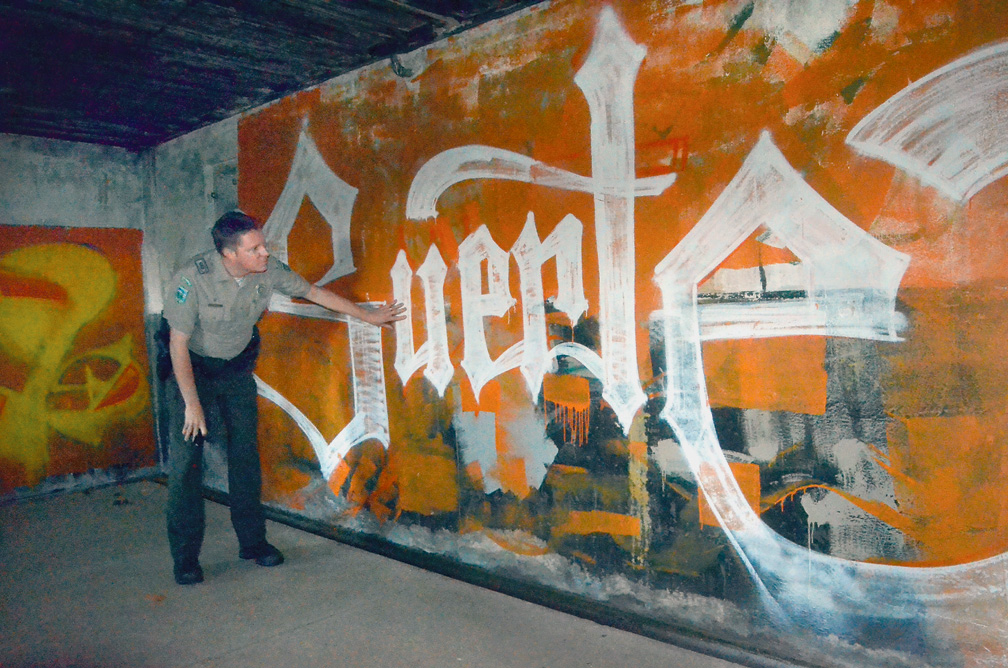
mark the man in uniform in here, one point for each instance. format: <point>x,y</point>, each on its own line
<point>212,306</point>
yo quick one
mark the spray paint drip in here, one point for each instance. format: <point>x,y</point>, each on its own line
<point>567,400</point>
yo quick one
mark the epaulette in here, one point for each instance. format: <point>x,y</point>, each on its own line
<point>201,265</point>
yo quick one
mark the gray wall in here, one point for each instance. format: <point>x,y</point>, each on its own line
<point>55,183</point>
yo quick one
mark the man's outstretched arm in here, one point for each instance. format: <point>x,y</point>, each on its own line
<point>382,316</point>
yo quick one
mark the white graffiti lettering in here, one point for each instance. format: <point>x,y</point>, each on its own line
<point>563,244</point>
<point>367,367</point>
<point>946,129</point>
<point>479,248</point>
<point>607,80</point>
<point>333,197</point>
<point>434,352</point>
<point>311,177</point>
<point>844,284</point>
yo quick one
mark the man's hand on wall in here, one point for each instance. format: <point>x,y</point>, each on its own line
<point>386,314</point>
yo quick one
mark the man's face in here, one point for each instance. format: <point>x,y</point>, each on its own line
<point>250,254</point>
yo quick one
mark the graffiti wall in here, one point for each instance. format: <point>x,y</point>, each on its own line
<point>74,394</point>
<point>705,304</point>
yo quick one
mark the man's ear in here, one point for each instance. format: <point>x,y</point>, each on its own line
<point>229,253</point>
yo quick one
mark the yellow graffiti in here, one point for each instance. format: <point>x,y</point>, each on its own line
<point>48,294</point>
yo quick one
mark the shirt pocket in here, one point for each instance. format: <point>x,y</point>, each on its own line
<point>215,318</point>
<point>259,300</point>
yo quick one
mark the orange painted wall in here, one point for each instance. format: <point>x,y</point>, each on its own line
<point>715,76</point>
<point>74,394</point>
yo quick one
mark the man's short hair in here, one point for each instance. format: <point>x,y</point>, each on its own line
<point>230,227</point>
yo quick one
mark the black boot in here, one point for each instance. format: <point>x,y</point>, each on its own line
<point>188,573</point>
<point>263,553</point>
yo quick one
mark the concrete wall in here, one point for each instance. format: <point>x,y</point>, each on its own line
<point>73,215</point>
<point>191,180</point>
<point>67,184</point>
<point>704,305</point>
<point>75,406</point>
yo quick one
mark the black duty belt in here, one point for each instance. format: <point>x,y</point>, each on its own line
<point>240,363</point>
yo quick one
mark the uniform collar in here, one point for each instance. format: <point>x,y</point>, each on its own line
<point>217,268</point>
<point>220,273</point>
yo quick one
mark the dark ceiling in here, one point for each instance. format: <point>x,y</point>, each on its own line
<point>135,73</point>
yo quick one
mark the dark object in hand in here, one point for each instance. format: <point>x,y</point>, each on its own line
<point>162,362</point>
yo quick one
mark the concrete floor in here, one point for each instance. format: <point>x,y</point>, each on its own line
<point>86,581</point>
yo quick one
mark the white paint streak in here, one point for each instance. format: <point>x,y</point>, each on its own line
<point>306,426</point>
<point>809,22</point>
<point>760,433</point>
<point>669,457</point>
<point>476,438</point>
<point>434,351</point>
<point>370,418</point>
<point>607,80</point>
<point>476,162</point>
<point>333,197</point>
<point>528,441</point>
<point>948,129</point>
<point>368,375</point>
<point>792,317</point>
<point>778,278</point>
<point>854,534</point>
<point>860,472</point>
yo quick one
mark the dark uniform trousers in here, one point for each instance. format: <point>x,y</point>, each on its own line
<point>230,386</point>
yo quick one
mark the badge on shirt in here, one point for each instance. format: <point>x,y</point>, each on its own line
<point>201,266</point>
<point>181,295</point>
<point>260,290</point>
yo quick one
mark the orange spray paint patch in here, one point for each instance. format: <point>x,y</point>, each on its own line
<point>786,374</point>
<point>568,401</point>
<point>585,522</point>
<point>442,236</point>
<point>510,472</point>
<point>488,400</point>
<point>427,480</point>
<point>949,475</point>
<point>125,386</point>
<point>475,474</point>
<point>12,285</point>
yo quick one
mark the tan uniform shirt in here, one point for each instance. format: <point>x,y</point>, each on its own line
<point>204,301</point>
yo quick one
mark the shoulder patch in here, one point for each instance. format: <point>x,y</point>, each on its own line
<point>201,266</point>
<point>181,294</point>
